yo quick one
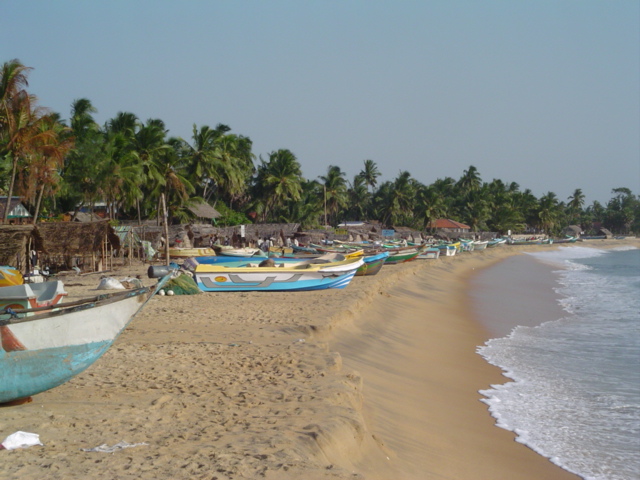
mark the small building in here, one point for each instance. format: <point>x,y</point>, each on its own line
<point>446,225</point>
<point>204,211</point>
<point>18,213</point>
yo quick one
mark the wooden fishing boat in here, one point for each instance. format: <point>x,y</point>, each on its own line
<point>402,255</point>
<point>565,240</point>
<point>10,276</point>
<point>467,245</point>
<point>241,252</point>
<point>372,264</point>
<point>529,241</point>
<point>480,244</point>
<point>278,275</point>
<point>32,295</point>
<point>303,249</point>
<point>447,249</point>
<point>496,242</point>
<point>44,347</point>
<point>180,252</point>
<point>348,252</point>
<point>430,253</point>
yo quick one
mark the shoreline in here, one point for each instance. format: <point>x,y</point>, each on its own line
<point>430,367</point>
<point>248,385</point>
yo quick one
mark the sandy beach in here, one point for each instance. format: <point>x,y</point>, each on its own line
<point>377,381</point>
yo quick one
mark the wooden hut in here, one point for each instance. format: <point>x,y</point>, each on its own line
<point>16,244</point>
<point>18,213</point>
<point>87,246</point>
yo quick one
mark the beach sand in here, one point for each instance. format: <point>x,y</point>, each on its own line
<point>376,381</point>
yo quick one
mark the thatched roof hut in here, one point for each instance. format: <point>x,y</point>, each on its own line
<point>16,241</point>
<point>204,211</point>
<point>572,231</point>
<point>86,245</point>
<point>59,244</point>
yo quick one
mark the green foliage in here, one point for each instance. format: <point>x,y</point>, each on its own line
<point>132,164</point>
<point>230,217</point>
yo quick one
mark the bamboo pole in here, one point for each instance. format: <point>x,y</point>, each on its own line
<point>166,229</point>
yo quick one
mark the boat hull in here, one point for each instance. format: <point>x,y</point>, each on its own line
<point>44,348</point>
<point>10,276</point>
<point>372,264</point>
<point>430,254</point>
<point>296,276</point>
<point>34,295</point>
<point>401,257</point>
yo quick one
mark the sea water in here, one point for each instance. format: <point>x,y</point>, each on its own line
<point>575,394</point>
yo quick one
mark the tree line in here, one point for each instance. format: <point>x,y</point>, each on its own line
<point>59,166</point>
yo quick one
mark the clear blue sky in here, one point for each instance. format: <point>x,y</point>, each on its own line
<point>542,93</point>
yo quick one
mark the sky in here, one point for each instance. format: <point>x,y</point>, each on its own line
<point>544,93</point>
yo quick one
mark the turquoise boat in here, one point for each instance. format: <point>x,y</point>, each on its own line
<point>372,264</point>
<point>42,348</point>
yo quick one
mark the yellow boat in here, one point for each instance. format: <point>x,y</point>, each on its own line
<point>10,276</point>
<point>178,252</point>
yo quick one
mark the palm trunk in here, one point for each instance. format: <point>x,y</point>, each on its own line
<point>10,192</point>
<point>38,203</point>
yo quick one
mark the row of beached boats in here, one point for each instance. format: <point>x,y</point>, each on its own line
<point>46,340</point>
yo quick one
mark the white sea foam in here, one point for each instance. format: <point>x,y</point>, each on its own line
<point>575,394</point>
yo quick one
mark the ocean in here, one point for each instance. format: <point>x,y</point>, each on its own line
<point>575,391</point>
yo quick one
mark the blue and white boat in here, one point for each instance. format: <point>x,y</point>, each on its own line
<point>41,348</point>
<point>275,274</point>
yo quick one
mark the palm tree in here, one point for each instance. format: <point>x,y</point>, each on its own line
<point>218,161</point>
<point>19,117</point>
<point>430,206</point>
<point>359,198</point>
<point>41,172</point>
<point>174,183</point>
<point>335,192</point>
<point>548,212</point>
<point>370,174</point>
<point>470,180</point>
<point>575,205</point>
<point>397,199</point>
<point>475,209</point>
<point>80,173</point>
<point>278,181</point>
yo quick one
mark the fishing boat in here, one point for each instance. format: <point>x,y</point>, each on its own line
<point>567,239</point>
<point>241,252</point>
<point>181,252</point>
<point>276,274</point>
<point>529,241</point>
<point>402,255</point>
<point>467,245</point>
<point>10,276</point>
<point>447,249</point>
<point>430,253</point>
<point>480,244</point>
<point>372,264</point>
<point>33,295</point>
<point>41,348</point>
<point>348,252</point>
<point>303,249</point>
<point>496,242</point>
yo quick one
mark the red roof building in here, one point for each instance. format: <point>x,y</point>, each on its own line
<point>449,225</point>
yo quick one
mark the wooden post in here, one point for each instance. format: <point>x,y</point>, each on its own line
<point>166,229</point>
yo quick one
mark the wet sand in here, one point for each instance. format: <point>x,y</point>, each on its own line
<point>376,381</point>
<point>517,291</point>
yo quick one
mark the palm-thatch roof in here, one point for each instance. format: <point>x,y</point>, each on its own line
<point>15,243</point>
<point>205,211</point>
<point>77,238</point>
